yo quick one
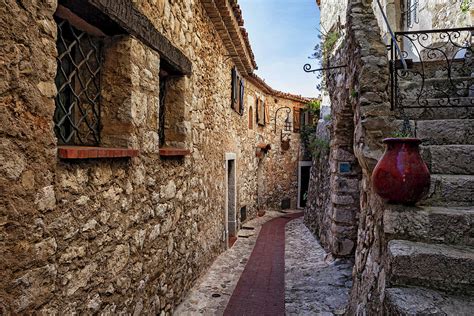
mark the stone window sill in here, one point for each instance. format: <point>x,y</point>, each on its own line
<point>174,152</point>
<point>83,152</point>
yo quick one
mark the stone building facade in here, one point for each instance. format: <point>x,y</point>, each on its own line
<point>178,160</point>
<point>402,254</point>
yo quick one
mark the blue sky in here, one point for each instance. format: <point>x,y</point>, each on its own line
<point>283,34</point>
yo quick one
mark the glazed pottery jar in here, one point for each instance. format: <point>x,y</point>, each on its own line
<point>401,176</point>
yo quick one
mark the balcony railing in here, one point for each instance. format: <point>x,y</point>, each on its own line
<point>432,69</point>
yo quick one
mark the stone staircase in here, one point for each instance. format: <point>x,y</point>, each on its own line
<point>431,246</point>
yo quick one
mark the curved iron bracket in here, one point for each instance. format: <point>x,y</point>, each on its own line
<point>307,68</point>
<point>288,111</point>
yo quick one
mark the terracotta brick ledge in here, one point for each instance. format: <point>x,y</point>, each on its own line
<point>174,152</point>
<point>82,152</point>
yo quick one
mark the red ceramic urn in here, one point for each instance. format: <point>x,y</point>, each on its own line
<point>401,176</point>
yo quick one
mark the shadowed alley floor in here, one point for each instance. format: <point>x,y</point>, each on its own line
<point>268,272</point>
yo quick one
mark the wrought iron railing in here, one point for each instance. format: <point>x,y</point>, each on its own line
<point>439,72</point>
<point>77,114</point>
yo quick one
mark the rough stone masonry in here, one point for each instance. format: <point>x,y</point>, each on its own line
<point>130,235</point>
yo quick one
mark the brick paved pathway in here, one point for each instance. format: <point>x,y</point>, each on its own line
<point>261,287</point>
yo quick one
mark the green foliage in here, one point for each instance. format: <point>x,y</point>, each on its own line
<point>465,5</point>
<point>330,41</point>
<point>354,94</point>
<point>402,134</point>
<point>314,146</point>
<point>405,131</point>
<point>313,107</point>
<point>327,117</point>
<point>318,147</point>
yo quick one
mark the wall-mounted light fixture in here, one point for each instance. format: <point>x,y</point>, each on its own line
<point>285,136</point>
<point>287,121</point>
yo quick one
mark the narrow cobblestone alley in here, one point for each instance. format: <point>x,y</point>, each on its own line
<point>314,283</point>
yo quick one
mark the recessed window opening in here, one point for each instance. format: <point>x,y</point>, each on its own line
<point>77,113</point>
<point>162,111</point>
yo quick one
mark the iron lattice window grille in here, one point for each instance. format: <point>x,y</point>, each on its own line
<point>77,114</point>
<point>161,121</point>
<point>411,13</point>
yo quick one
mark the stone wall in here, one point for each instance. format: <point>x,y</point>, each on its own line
<point>438,14</point>
<point>362,110</point>
<point>333,13</point>
<point>123,235</point>
<point>316,214</point>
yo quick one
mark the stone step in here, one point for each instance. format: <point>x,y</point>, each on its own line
<point>446,132</point>
<point>449,159</point>
<point>421,301</point>
<point>434,109</point>
<point>437,87</point>
<point>443,82</point>
<point>444,267</point>
<point>447,225</point>
<point>450,190</point>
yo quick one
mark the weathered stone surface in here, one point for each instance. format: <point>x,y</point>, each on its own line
<point>450,190</point>
<point>449,225</point>
<point>315,283</point>
<point>80,279</point>
<point>445,132</point>
<point>12,163</point>
<point>449,268</point>
<point>451,159</point>
<point>46,199</point>
<point>464,111</point>
<point>36,287</point>
<point>132,235</point>
<point>420,301</point>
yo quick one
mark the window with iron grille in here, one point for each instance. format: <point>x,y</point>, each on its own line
<point>161,120</point>
<point>411,13</point>
<point>77,114</point>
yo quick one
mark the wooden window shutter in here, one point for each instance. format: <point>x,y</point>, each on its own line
<point>242,95</point>
<point>250,117</point>
<point>234,88</point>
<point>267,113</point>
<point>260,112</point>
<point>297,120</point>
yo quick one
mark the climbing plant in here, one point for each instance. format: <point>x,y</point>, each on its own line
<point>313,145</point>
<point>465,5</point>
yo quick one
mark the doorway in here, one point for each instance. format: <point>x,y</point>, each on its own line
<point>304,173</point>
<point>231,197</point>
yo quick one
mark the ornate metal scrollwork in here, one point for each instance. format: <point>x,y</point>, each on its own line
<point>441,72</point>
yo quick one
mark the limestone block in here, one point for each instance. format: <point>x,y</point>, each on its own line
<point>342,199</point>
<point>46,199</point>
<point>12,162</point>
<point>46,248</point>
<point>71,253</point>
<point>344,215</point>
<point>155,232</point>
<point>118,259</point>
<point>37,287</point>
<point>80,279</point>
<point>94,303</point>
<point>169,191</point>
